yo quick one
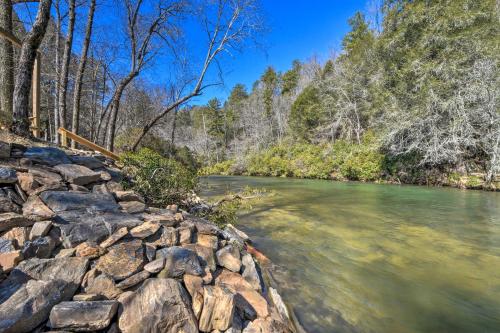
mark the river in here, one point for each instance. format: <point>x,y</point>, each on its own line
<point>355,257</point>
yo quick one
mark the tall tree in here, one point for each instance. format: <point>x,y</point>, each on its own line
<point>68,46</point>
<point>24,70</point>
<point>6,64</point>
<point>81,69</point>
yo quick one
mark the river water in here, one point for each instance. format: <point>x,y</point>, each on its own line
<point>354,257</point>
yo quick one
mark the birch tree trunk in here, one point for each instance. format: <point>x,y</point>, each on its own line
<point>24,70</point>
<point>81,68</point>
<point>6,64</point>
<point>63,84</point>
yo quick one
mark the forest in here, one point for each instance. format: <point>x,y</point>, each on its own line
<point>412,96</point>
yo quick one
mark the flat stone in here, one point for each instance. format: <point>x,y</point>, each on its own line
<point>250,303</point>
<point>203,226</point>
<point>87,297</point>
<point>155,266</point>
<point>218,309</point>
<point>45,175</point>
<point>280,305</point>
<point>40,229</point>
<point>66,253</point>
<point>66,201</point>
<point>35,209</point>
<point>7,176</point>
<point>206,254</point>
<point>115,237</point>
<point>133,280</point>
<point>233,234</point>
<point>100,284</point>
<point>100,189</point>
<point>250,273</point>
<point>17,235</point>
<point>27,182</point>
<point>40,248</point>
<point>208,241</point>
<point>13,220</point>
<point>47,155</point>
<point>123,260</point>
<point>166,220</point>
<point>77,174</point>
<point>229,257</point>
<point>34,287</point>
<point>145,230</point>
<point>83,316</point>
<point>9,260</point>
<point>90,250</point>
<point>78,188</point>
<point>128,196</point>
<point>159,305</point>
<point>87,161</point>
<point>6,245</point>
<point>169,237</point>
<point>132,207</point>
<point>179,261</point>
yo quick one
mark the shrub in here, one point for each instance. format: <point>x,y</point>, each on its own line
<point>160,180</point>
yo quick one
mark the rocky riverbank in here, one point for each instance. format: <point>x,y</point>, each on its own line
<point>80,254</point>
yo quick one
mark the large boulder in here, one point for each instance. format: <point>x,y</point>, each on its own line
<point>83,316</point>
<point>123,260</point>
<point>34,287</point>
<point>179,261</point>
<point>47,155</point>
<point>159,305</point>
<point>60,201</point>
<point>87,161</point>
<point>77,174</point>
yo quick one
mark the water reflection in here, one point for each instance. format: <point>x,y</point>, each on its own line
<point>379,258</point>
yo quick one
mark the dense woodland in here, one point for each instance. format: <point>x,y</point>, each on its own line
<point>412,96</point>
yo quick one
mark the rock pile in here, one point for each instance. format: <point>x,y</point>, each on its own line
<point>80,254</point>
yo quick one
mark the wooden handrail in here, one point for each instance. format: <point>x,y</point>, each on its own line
<point>65,133</point>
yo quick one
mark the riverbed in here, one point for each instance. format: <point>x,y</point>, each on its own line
<point>355,257</point>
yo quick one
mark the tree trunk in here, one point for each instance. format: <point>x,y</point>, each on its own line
<point>79,75</point>
<point>24,70</point>
<point>63,85</point>
<point>174,125</point>
<point>6,64</point>
<point>58,72</point>
<point>115,106</point>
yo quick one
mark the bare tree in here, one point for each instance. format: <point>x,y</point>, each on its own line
<point>81,68</point>
<point>234,22</point>
<point>57,61</point>
<point>24,70</point>
<point>6,63</point>
<point>63,82</point>
<point>141,39</point>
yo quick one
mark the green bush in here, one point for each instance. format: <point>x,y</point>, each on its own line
<point>160,180</point>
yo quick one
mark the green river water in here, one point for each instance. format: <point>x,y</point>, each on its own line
<point>355,257</point>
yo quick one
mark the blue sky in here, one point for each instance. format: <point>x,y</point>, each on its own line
<point>297,30</point>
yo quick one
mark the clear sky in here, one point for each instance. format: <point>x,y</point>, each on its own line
<point>296,30</point>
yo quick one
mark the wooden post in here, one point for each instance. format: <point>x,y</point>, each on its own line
<point>35,91</point>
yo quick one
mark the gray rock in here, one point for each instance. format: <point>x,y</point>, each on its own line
<point>83,316</point>
<point>155,266</point>
<point>234,235</point>
<point>6,245</point>
<point>132,207</point>
<point>40,229</point>
<point>179,261</point>
<point>77,174</point>
<point>7,205</point>
<point>87,161</point>
<point>14,196</point>
<point>150,251</point>
<point>100,284</point>
<point>229,257</point>
<point>40,248</point>
<point>169,237</point>
<point>47,155</point>
<point>36,210</point>
<point>133,280</point>
<point>34,287</point>
<point>65,201</point>
<point>7,176</point>
<point>100,189</point>
<point>128,196</point>
<point>218,309</point>
<point>78,188</point>
<point>203,226</point>
<point>159,305</point>
<point>12,220</point>
<point>250,272</point>
<point>4,150</point>
<point>205,254</point>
